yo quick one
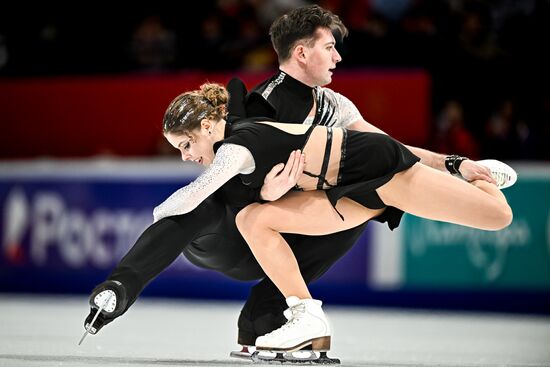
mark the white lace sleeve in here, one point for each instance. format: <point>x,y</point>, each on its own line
<point>230,160</point>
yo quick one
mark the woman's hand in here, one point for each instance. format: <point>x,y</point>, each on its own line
<point>283,177</point>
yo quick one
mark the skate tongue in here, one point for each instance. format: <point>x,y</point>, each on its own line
<point>293,301</point>
<point>311,301</point>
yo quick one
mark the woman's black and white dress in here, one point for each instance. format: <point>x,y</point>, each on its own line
<point>250,149</point>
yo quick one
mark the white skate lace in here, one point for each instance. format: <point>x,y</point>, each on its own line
<point>297,311</point>
<point>500,177</point>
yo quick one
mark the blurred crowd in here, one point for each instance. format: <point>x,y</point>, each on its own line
<point>487,59</point>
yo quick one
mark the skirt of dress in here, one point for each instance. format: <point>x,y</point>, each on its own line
<point>369,161</point>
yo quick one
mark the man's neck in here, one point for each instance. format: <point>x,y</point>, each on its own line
<point>296,73</point>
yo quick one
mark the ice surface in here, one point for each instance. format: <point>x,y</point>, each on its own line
<point>44,331</point>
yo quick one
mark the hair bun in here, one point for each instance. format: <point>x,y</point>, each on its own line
<point>215,93</point>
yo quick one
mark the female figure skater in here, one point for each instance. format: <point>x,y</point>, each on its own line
<point>381,176</point>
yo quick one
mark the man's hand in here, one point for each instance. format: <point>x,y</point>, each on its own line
<point>471,170</point>
<point>283,177</point>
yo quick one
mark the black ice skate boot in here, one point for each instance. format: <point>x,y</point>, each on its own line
<point>252,326</point>
<point>107,301</point>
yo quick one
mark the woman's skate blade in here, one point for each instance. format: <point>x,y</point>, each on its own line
<point>282,357</point>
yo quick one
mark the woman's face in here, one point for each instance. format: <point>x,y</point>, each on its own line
<point>196,146</point>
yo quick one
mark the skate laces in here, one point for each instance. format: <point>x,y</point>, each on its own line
<point>504,175</point>
<point>296,312</point>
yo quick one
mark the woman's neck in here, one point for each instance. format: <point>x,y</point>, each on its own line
<point>219,130</point>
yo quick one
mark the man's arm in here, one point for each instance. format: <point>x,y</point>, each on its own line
<point>469,169</point>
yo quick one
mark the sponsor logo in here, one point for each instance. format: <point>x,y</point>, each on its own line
<point>51,229</point>
<point>15,223</point>
<point>486,250</point>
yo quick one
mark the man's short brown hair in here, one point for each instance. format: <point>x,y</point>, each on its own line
<point>302,24</point>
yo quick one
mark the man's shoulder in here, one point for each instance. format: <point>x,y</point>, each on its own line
<point>266,88</point>
<point>257,100</point>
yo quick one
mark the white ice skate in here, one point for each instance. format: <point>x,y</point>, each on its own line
<point>307,325</point>
<point>504,175</point>
<point>303,316</point>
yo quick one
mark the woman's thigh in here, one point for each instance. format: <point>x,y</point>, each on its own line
<point>308,213</point>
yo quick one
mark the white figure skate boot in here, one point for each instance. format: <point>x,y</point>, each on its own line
<point>307,325</point>
<point>504,175</point>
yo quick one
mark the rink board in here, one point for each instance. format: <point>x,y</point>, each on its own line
<point>65,225</point>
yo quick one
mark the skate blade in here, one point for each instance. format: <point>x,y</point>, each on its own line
<point>89,329</point>
<point>299,357</point>
<point>244,353</point>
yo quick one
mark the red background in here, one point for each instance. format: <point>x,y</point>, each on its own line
<point>121,115</point>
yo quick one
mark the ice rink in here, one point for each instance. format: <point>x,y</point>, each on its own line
<point>44,331</point>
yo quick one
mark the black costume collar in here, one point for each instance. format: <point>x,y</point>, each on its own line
<point>295,86</point>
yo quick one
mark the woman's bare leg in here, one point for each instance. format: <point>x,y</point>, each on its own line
<point>308,213</point>
<point>428,193</point>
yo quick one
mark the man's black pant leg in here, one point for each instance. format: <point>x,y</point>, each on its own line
<point>162,242</point>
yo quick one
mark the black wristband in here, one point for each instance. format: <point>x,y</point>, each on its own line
<point>452,163</point>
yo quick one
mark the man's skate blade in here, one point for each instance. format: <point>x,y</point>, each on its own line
<point>266,357</point>
<point>242,354</point>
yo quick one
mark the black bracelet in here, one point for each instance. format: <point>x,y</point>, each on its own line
<point>452,163</point>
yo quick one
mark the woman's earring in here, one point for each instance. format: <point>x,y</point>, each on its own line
<point>209,132</point>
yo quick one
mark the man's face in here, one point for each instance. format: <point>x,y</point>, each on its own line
<point>321,58</point>
<point>196,146</point>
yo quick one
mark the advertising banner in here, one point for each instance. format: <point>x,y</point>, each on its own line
<point>446,256</point>
<point>65,226</point>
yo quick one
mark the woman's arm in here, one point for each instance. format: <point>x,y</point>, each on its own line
<point>230,160</point>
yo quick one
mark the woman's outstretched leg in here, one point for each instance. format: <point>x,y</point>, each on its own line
<point>428,193</point>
